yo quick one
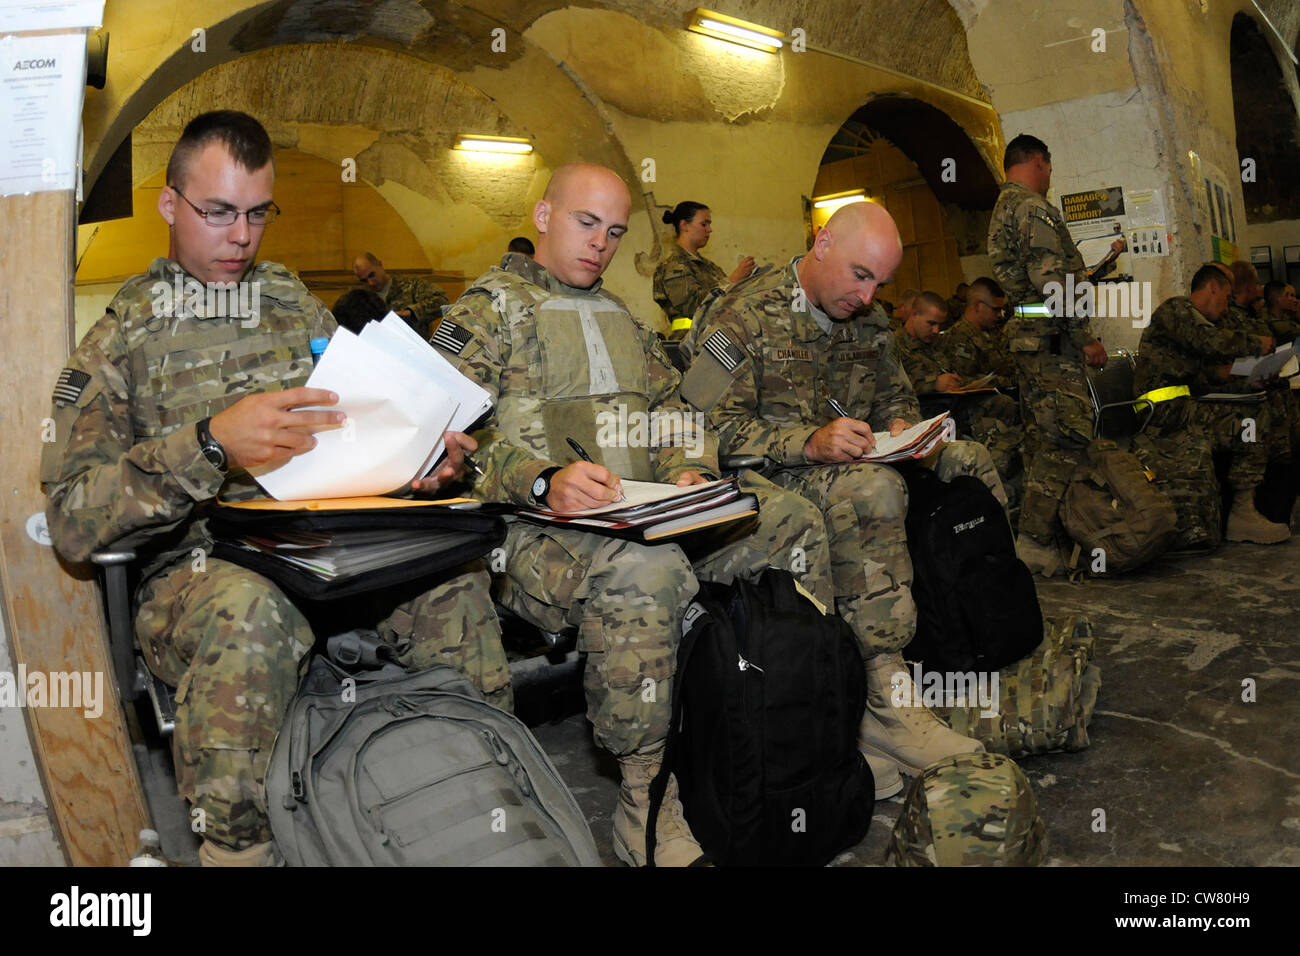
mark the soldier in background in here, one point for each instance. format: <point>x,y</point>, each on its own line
<point>522,245</point>
<point>792,365</point>
<point>1283,311</point>
<point>685,278</point>
<point>414,298</point>
<point>1182,355</point>
<point>917,346</point>
<point>558,353</point>
<point>160,410</point>
<point>957,304</point>
<point>1029,248</point>
<point>903,311</point>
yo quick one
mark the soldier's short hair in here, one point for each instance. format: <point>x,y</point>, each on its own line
<point>521,244</point>
<point>1273,292</point>
<point>354,308</point>
<point>1211,272</point>
<point>1242,273</point>
<point>683,212</point>
<point>930,300</point>
<point>1024,148</point>
<point>244,138</point>
<point>988,287</point>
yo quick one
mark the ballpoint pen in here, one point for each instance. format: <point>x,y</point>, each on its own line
<point>585,457</point>
<point>837,408</point>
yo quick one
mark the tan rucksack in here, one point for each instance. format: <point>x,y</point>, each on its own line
<point>1118,517</point>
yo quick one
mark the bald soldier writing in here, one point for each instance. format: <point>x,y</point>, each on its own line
<point>559,354</point>
<point>160,410</point>
<point>768,359</point>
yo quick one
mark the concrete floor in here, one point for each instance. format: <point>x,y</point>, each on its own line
<point>1187,774</point>
<point>1185,771</point>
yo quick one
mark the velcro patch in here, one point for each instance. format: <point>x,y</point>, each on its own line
<point>720,346</point>
<point>72,382</point>
<point>451,337</point>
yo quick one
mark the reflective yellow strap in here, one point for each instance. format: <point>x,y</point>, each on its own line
<point>1164,394</point>
<point>1033,310</point>
<point>682,323</point>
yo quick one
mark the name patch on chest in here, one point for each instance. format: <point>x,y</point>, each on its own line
<point>790,355</point>
<point>854,355</point>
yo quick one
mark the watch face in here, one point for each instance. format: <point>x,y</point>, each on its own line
<point>215,455</point>
<point>539,487</point>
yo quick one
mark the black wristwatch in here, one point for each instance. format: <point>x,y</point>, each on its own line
<point>210,447</point>
<point>542,486</point>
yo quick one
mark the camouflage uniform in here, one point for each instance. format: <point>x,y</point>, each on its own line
<point>922,362</point>
<point>762,372</point>
<point>1029,247</point>
<point>991,419</point>
<point>1284,328</point>
<point>1180,347</point>
<point>422,296</point>
<point>682,281</point>
<point>556,360</point>
<point>1283,404</point>
<point>127,461</point>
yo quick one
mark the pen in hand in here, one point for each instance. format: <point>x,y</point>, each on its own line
<point>581,452</point>
<point>837,408</point>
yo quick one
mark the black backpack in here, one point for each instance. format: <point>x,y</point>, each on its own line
<point>976,607</point>
<point>766,705</point>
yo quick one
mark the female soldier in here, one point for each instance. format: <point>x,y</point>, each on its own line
<point>685,277</point>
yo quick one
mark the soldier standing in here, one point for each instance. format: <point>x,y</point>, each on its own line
<point>791,365</point>
<point>415,299</point>
<point>164,406</point>
<point>684,279</point>
<point>1029,249</point>
<point>560,355</point>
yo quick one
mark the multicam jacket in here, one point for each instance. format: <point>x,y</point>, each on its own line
<point>682,281</point>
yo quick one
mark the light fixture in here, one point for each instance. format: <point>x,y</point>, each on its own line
<point>515,145</point>
<point>836,200</point>
<point>722,27</point>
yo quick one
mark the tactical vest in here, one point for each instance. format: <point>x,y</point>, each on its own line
<point>588,377</point>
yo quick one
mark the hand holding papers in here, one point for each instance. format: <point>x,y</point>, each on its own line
<point>399,396</point>
<point>1256,369</point>
<point>918,441</point>
<point>847,439</point>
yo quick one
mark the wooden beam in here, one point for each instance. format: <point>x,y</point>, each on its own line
<point>53,614</point>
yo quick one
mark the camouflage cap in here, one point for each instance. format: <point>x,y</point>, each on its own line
<point>974,809</point>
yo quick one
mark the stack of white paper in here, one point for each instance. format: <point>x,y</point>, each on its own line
<point>399,396</point>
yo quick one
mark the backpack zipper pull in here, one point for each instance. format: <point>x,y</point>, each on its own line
<point>746,665</point>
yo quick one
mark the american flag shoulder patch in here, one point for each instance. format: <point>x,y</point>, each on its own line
<point>719,345</point>
<point>72,382</point>
<point>451,337</point>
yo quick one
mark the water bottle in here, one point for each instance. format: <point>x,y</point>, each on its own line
<point>318,349</point>
<point>149,852</point>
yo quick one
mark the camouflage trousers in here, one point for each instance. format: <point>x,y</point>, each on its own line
<point>994,421</point>
<point>1058,417</point>
<point>1223,426</point>
<point>627,600</point>
<point>235,648</point>
<point>865,507</point>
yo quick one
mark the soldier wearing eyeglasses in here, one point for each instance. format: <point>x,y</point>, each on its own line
<point>160,410</point>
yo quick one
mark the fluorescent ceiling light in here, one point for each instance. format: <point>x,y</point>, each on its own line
<point>494,144</point>
<point>722,27</point>
<point>840,199</point>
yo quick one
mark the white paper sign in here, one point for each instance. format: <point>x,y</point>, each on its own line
<point>19,15</point>
<point>42,84</point>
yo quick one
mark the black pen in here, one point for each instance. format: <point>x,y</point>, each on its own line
<point>585,457</point>
<point>837,408</point>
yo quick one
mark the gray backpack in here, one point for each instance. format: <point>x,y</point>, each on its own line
<point>384,768</point>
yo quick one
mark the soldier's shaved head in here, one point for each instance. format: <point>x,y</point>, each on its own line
<point>580,219</point>
<point>856,252</point>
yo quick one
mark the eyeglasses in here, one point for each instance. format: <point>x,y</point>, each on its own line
<point>1002,310</point>
<point>261,216</point>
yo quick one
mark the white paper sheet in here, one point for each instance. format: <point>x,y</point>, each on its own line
<point>20,15</point>
<point>42,83</point>
<point>396,416</point>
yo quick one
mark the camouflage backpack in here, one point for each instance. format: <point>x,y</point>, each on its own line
<point>969,810</point>
<point>1184,470</point>
<point>1045,701</point>
<point>1115,512</point>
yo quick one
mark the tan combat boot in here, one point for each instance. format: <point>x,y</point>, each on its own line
<point>1044,559</point>
<point>259,854</point>
<point>909,735</point>
<point>674,845</point>
<point>884,772</point>
<point>1247,524</point>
